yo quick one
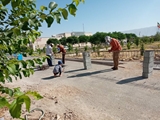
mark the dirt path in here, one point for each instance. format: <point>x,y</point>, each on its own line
<point>96,94</point>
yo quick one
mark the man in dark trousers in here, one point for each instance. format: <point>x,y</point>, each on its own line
<point>49,53</point>
<point>61,49</point>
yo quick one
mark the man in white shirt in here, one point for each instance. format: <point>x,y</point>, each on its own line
<point>49,53</point>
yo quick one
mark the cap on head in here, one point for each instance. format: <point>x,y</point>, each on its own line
<point>60,62</point>
<point>108,39</point>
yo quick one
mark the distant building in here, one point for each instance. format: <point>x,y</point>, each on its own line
<point>61,35</point>
<point>68,34</point>
<point>77,34</point>
<point>41,42</point>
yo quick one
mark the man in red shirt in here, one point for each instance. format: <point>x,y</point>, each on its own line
<point>115,48</point>
<point>61,49</point>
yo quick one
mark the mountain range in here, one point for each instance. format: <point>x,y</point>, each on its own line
<point>148,31</point>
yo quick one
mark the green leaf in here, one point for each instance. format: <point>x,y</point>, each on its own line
<point>17,92</point>
<point>32,16</point>
<point>43,16</point>
<point>2,77</point>
<point>25,73</point>
<point>6,90</point>
<point>30,63</point>
<point>24,99</point>
<point>77,2</point>
<point>49,20</point>
<point>52,5</point>
<point>34,94</point>
<point>15,108</point>
<point>58,18</point>
<point>31,71</point>
<point>12,68</point>
<point>64,13</point>
<point>72,9</point>
<point>9,79</point>
<point>5,2</point>
<point>43,8</point>
<point>31,22</point>
<point>14,4</point>
<point>25,41</point>
<point>23,64</point>
<point>43,59</point>
<point>25,26</point>
<point>3,102</point>
<point>10,34</point>
<point>16,31</point>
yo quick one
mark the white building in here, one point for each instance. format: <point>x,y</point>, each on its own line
<point>41,42</point>
<point>68,34</point>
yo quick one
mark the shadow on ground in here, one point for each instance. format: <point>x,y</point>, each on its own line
<point>129,80</point>
<point>48,78</point>
<point>74,70</point>
<point>90,73</point>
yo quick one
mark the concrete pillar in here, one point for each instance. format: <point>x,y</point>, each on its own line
<point>1,118</point>
<point>86,60</point>
<point>148,63</point>
<point>53,60</point>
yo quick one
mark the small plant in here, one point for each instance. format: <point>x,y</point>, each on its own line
<point>106,47</point>
<point>142,49</point>
<point>129,45</point>
<point>98,50</point>
<point>39,51</point>
<point>70,48</point>
<point>86,48</point>
<point>94,48</point>
<point>137,41</point>
<point>122,43</point>
<point>76,50</point>
<point>55,50</point>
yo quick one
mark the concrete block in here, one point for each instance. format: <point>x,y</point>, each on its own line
<point>149,65</point>
<point>86,60</point>
<point>147,69</point>
<point>149,53</point>
<point>53,60</point>
<point>86,54</point>
<point>148,59</point>
<point>87,65</point>
<point>146,75</point>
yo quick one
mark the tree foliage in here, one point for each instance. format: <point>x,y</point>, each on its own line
<point>118,35</point>
<point>63,41</point>
<point>83,39</point>
<point>157,37</point>
<point>98,38</point>
<point>72,40</point>
<point>53,40</point>
<point>19,25</point>
<point>130,37</point>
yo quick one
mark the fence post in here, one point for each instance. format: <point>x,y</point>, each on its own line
<point>148,63</point>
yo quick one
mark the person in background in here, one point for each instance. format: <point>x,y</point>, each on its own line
<point>58,69</point>
<point>61,49</point>
<point>115,48</point>
<point>49,54</point>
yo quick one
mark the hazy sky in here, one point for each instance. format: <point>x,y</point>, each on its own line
<point>106,16</point>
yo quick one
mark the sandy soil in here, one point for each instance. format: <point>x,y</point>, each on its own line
<point>98,93</point>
